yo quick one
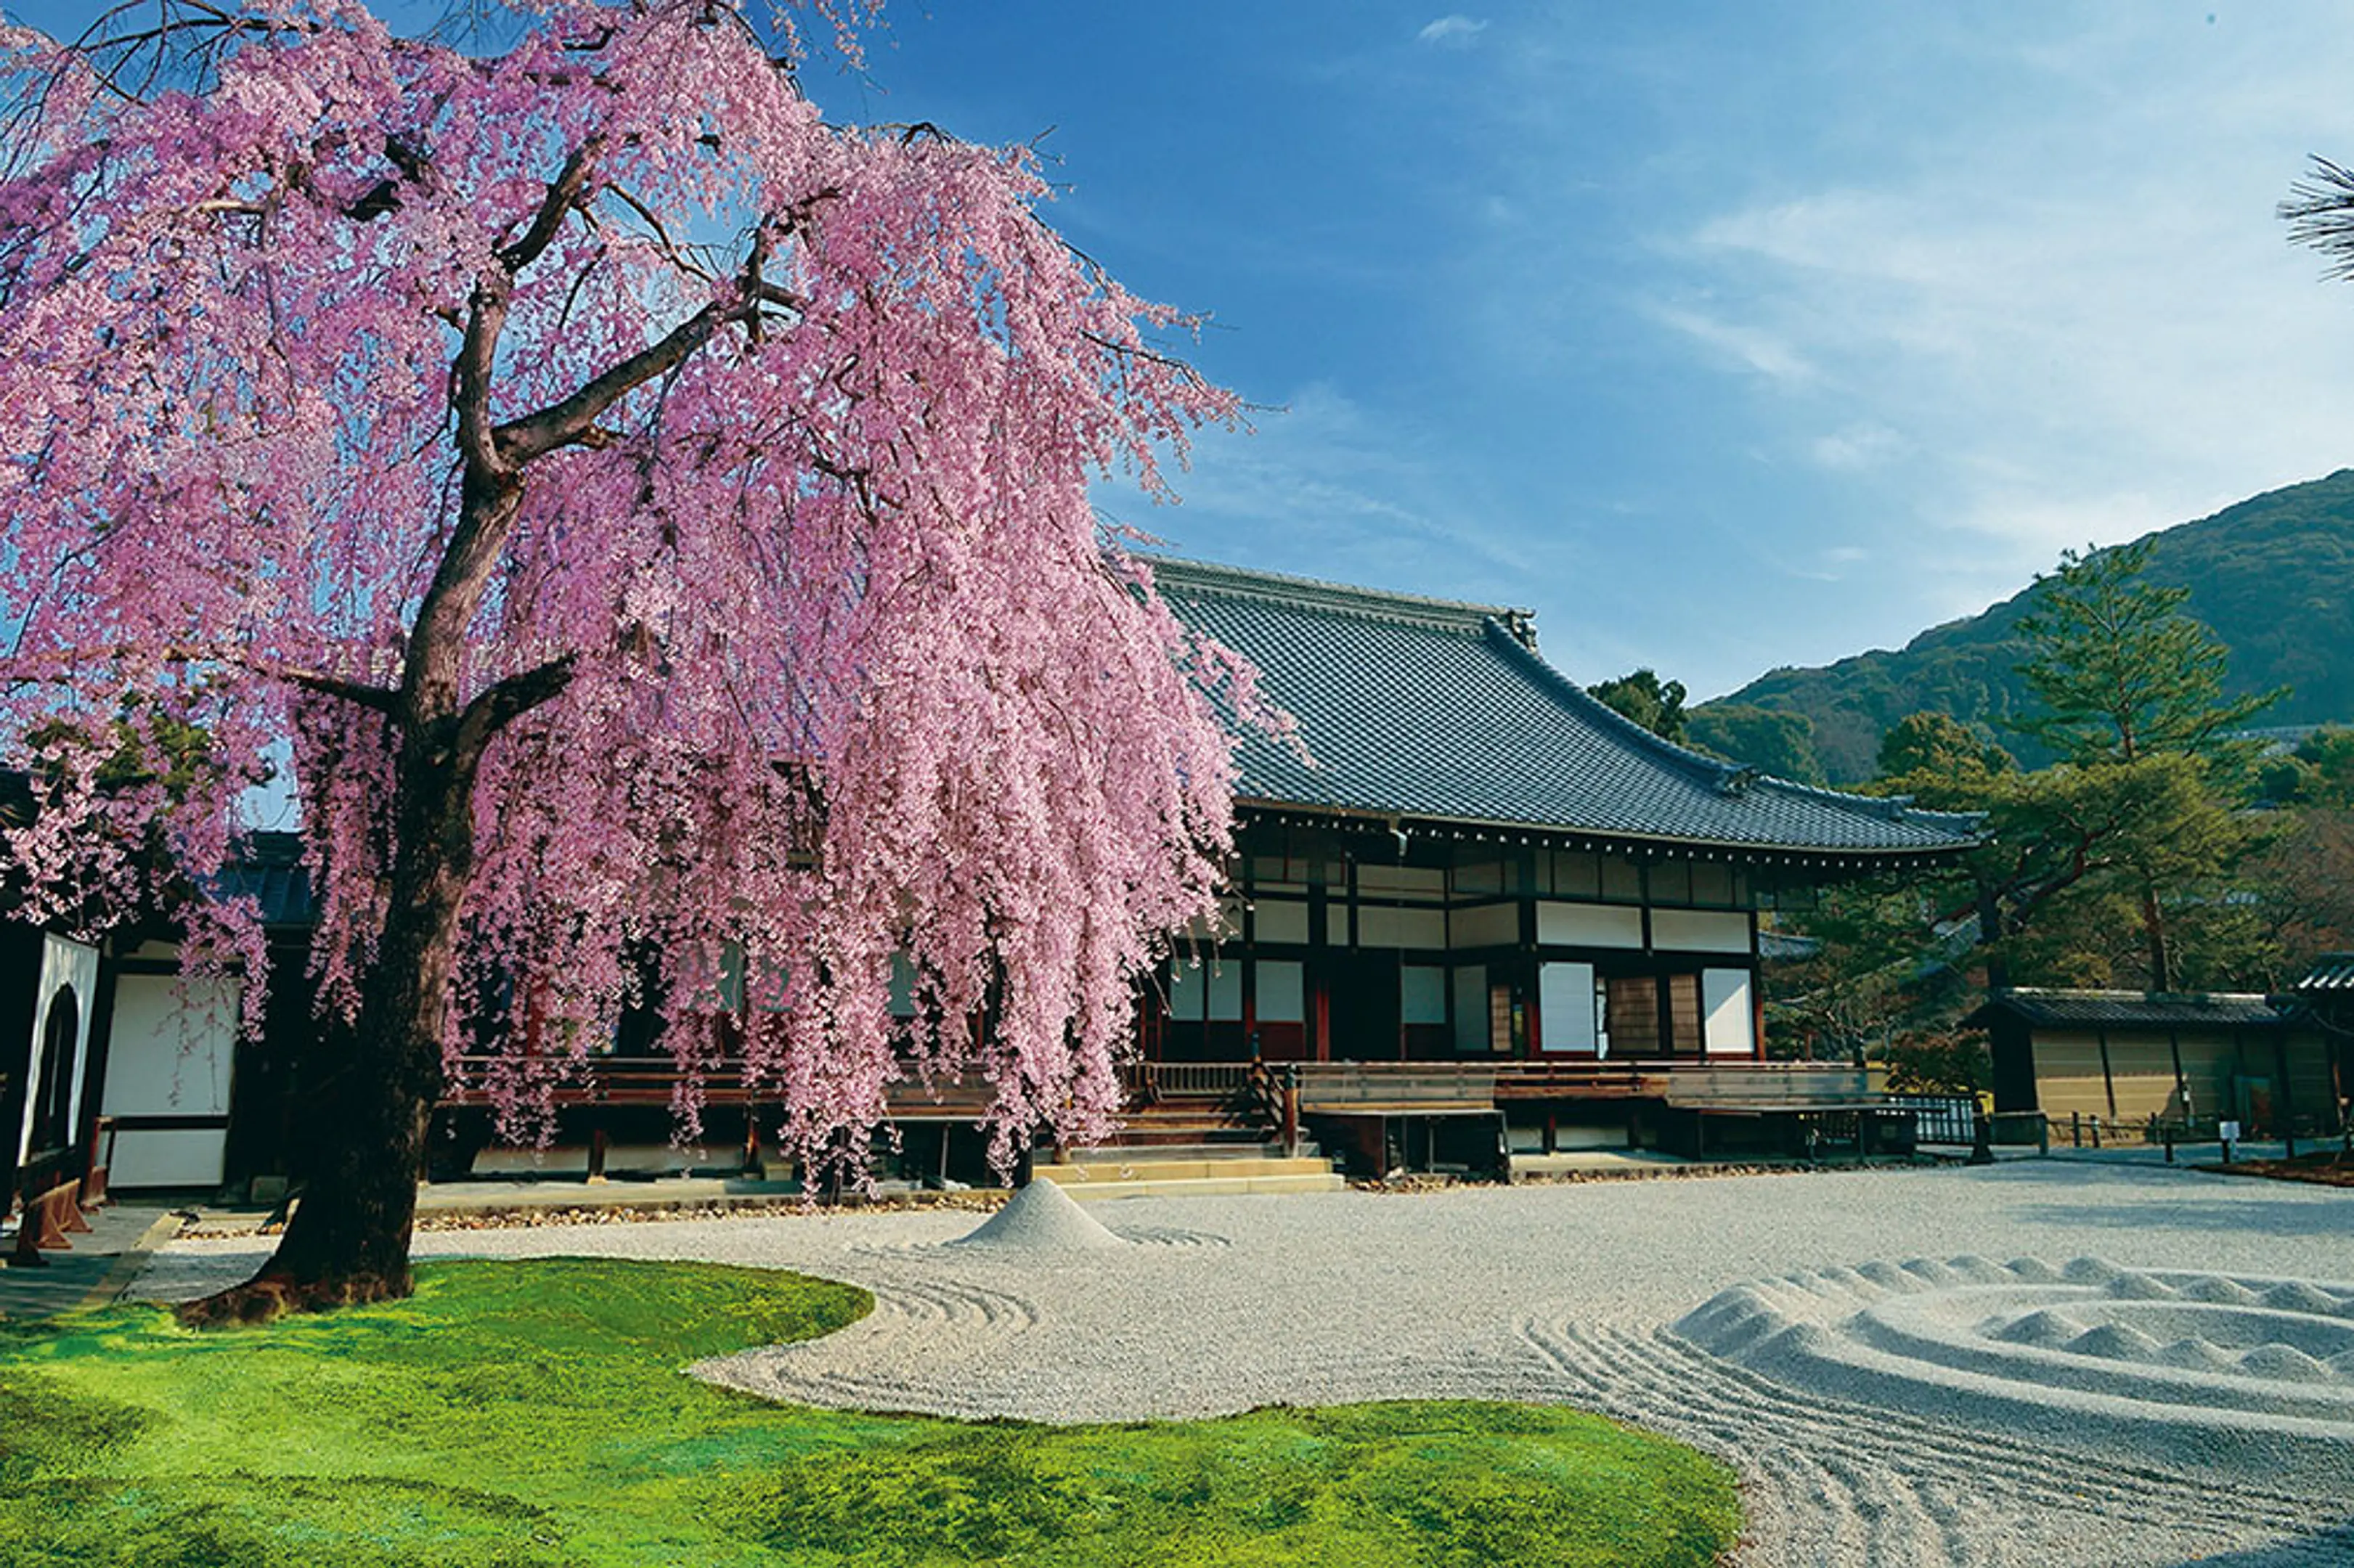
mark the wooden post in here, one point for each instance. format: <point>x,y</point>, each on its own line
<point>27,1253</point>
<point>44,1226</point>
<point>596,1150</point>
<point>101,1155</point>
<point>2284,1102</point>
<point>1291,1111</point>
<point>2181,1084</point>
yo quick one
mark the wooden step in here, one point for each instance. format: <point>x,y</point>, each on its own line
<point>1099,1171</point>
<point>1177,1136</point>
<point>1117,1152</point>
<point>1319,1178</point>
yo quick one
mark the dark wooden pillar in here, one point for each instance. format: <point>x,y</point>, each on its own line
<point>2283,1097</point>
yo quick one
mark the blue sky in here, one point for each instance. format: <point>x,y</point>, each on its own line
<point>1723,336</point>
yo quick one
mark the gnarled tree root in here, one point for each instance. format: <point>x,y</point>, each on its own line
<point>269,1297</point>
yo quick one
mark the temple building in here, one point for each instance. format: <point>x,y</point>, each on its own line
<point>1470,857</point>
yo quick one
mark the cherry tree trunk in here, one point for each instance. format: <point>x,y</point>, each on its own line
<point>347,1240</point>
<point>380,1073</point>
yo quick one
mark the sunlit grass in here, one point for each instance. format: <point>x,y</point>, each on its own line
<point>534,1413</point>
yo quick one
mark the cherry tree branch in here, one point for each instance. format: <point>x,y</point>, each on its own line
<point>562,195</point>
<point>518,441</point>
<point>362,693</point>
<point>487,317</point>
<point>378,698</point>
<point>670,248</point>
<point>570,422</point>
<point>504,702</point>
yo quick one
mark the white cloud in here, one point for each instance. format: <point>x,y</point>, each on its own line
<point>2051,522</point>
<point>1325,487</point>
<point>2082,315</point>
<point>1455,31</point>
<point>1753,346</point>
<point>1856,447</point>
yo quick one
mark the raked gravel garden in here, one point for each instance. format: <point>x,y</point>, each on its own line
<point>2039,1362</point>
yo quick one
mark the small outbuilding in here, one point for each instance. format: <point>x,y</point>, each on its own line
<point>2131,1057</point>
<point>2325,999</point>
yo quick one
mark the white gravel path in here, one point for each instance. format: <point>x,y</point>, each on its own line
<point>1575,1294</point>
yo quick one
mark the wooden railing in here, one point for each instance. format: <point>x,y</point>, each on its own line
<point>658,1080</point>
<point>1766,1083</point>
<point>1549,1080</point>
<point>1940,1119</point>
<point>1145,1081</point>
<point>591,1081</point>
<point>1342,1086</point>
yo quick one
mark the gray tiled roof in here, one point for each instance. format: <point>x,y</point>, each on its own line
<point>1429,708</point>
<point>2126,1009</point>
<point>270,867</point>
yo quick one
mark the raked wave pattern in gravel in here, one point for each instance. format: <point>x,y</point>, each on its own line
<point>927,1335</point>
<point>1832,1482</point>
<point>1970,1412</point>
<point>2251,1378</point>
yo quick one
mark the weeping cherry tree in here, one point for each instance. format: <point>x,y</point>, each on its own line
<point>655,525</point>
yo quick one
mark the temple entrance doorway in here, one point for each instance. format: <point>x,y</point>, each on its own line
<point>1366,1021</point>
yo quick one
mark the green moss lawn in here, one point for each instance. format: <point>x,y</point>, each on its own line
<point>534,1413</point>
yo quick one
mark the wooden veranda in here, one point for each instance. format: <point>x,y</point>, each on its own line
<point>1366,1113</point>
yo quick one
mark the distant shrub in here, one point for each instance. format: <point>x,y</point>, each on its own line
<point>1938,1063</point>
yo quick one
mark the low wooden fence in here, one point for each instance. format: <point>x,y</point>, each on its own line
<point>2078,1129</point>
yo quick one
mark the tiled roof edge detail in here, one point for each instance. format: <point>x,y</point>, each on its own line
<point>1716,770</point>
<point>2058,1008</point>
<point>1710,770</point>
<point>1203,577</point>
<point>1888,808</point>
<point>2095,994</point>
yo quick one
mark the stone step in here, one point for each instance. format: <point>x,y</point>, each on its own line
<point>1323,1180</point>
<point>1099,1171</point>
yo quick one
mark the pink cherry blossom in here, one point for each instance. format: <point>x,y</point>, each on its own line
<point>657,521</point>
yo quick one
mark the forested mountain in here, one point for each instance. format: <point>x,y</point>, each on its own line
<point>2273,575</point>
